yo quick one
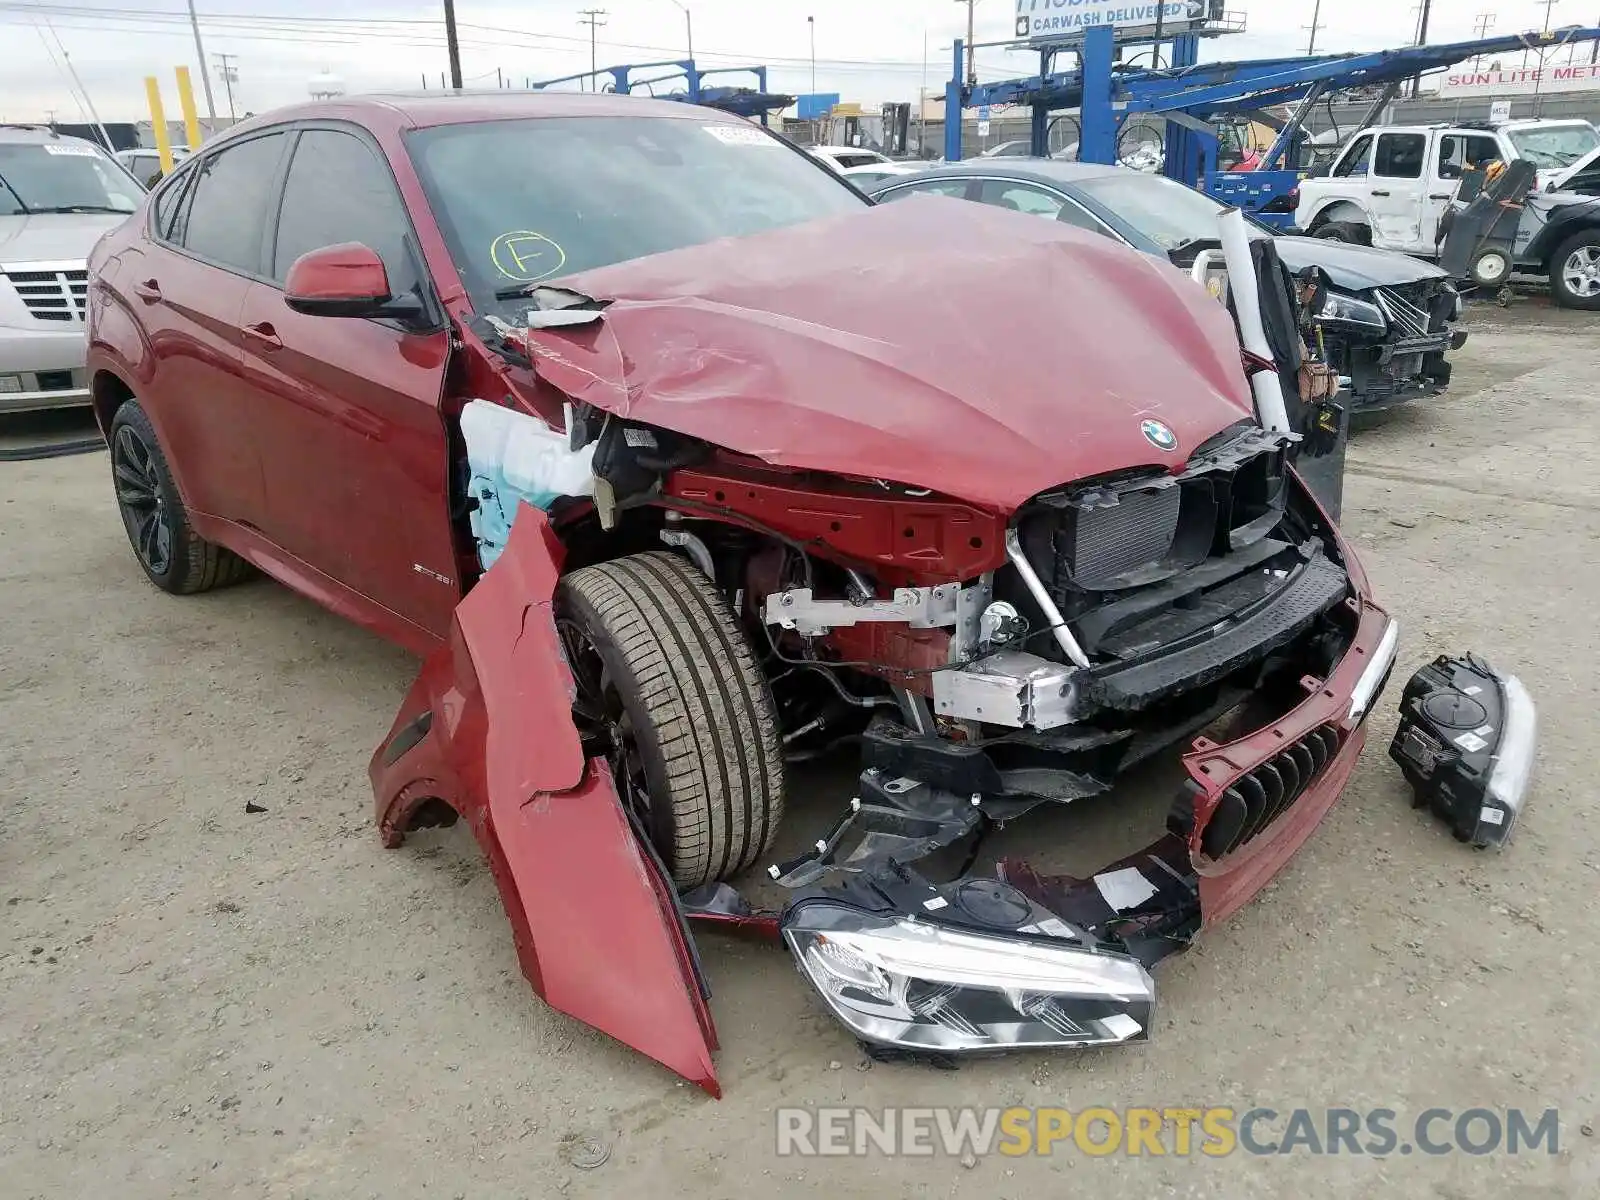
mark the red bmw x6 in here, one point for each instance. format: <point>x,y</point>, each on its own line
<point>680,463</point>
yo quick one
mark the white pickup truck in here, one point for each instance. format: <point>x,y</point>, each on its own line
<point>1391,184</point>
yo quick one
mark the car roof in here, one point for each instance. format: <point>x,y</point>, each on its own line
<point>1039,170</point>
<point>421,110</point>
<point>37,135</point>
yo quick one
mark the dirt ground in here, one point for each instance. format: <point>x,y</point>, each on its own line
<point>197,1000</point>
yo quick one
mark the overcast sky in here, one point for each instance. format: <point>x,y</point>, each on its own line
<point>867,50</point>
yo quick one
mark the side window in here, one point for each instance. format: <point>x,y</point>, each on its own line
<point>1459,151</point>
<point>1021,197</point>
<point>933,187</point>
<point>166,203</point>
<point>228,203</point>
<point>1357,159</point>
<point>1400,155</point>
<point>338,190</point>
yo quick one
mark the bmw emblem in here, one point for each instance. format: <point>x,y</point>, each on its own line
<point>1159,435</point>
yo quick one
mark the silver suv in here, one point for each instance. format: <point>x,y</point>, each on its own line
<point>57,196</point>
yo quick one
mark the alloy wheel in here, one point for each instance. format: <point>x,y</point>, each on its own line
<point>145,513</point>
<point>606,727</point>
<point>1581,272</point>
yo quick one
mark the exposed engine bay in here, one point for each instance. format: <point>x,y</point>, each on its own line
<point>1111,620</point>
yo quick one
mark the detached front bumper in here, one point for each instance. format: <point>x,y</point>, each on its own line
<point>986,964</point>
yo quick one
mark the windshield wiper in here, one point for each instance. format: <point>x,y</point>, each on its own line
<point>21,204</point>
<point>81,208</point>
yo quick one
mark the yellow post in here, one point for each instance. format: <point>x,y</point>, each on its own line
<point>191,119</point>
<point>158,122</point>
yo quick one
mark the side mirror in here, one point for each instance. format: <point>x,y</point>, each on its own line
<point>347,280</point>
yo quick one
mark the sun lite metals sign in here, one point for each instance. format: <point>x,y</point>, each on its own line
<point>1567,77</point>
<point>1066,20</point>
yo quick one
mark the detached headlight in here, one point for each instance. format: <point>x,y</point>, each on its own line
<point>904,981</point>
<point>1466,744</point>
<point>1339,309</point>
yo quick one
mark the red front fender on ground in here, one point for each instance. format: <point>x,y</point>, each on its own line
<point>487,730</point>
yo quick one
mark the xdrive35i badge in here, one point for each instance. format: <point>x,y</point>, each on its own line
<point>1159,435</point>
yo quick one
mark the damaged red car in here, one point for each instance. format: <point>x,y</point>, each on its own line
<point>681,462</point>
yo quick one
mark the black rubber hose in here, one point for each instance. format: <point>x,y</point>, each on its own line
<point>52,449</point>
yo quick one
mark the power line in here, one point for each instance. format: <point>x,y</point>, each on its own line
<point>354,30</point>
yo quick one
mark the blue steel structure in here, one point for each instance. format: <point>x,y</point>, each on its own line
<point>746,102</point>
<point>1192,95</point>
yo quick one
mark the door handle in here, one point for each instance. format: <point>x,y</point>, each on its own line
<point>1379,192</point>
<point>147,290</point>
<point>264,335</point>
<point>1440,195</point>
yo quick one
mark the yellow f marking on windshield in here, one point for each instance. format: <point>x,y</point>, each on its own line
<point>526,256</point>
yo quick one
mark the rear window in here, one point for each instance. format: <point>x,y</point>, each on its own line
<point>525,201</point>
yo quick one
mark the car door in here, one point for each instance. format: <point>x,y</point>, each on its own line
<point>346,410</point>
<point>186,283</point>
<point>1399,192</point>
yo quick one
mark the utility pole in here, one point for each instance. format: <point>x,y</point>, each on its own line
<point>451,46</point>
<point>811,27</point>
<point>591,18</point>
<point>1481,24</point>
<point>1316,24</point>
<point>688,26</point>
<point>230,76</point>
<point>972,53</point>
<point>1422,40</point>
<point>200,53</point>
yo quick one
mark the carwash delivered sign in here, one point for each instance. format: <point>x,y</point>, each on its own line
<point>1065,20</point>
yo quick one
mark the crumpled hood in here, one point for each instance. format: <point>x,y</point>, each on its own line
<point>1354,268</point>
<point>53,237</point>
<point>940,344</point>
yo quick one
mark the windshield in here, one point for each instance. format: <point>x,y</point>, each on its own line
<point>1160,209</point>
<point>64,176</point>
<point>1554,146</point>
<point>525,201</point>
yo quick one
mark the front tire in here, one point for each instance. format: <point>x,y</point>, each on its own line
<point>669,690</point>
<point>1575,271</point>
<point>173,556</point>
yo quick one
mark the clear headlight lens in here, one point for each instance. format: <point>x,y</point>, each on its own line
<point>1513,760</point>
<point>902,981</point>
<point>1339,309</point>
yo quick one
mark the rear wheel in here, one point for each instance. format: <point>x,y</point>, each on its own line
<point>174,557</point>
<point>670,693</point>
<point>1575,271</point>
<point>1353,232</point>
